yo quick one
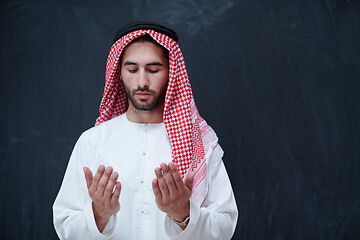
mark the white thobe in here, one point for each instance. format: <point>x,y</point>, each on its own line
<point>134,150</point>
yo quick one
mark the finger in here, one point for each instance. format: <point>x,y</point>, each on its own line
<point>156,189</point>
<point>88,176</point>
<point>158,173</point>
<point>176,175</point>
<point>168,179</point>
<point>115,196</point>
<point>162,184</point>
<point>189,179</point>
<point>110,185</point>
<point>104,180</point>
<point>97,177</point>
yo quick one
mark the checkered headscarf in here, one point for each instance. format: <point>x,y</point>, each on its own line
<point>189,135</point>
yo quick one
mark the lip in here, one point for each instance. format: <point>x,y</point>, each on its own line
<point>143,95</point>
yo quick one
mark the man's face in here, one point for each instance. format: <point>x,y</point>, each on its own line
<point>145,74</point>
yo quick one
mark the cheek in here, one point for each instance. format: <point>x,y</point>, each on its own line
<point>164,78</point>
<point>126,77</point>
<point>127,84</point>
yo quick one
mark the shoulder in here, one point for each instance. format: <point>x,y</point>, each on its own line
<point>101,131</point>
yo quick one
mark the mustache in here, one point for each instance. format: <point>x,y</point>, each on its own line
<point>143,89</point>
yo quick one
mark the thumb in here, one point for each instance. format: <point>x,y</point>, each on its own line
<point>88,176</point>
<point>189,179</point>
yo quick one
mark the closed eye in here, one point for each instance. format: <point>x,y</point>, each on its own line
<point>153,71</point>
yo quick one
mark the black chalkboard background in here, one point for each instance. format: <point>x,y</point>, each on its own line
<point>279,81</point>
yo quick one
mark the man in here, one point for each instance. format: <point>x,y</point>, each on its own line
<point>147,118</point>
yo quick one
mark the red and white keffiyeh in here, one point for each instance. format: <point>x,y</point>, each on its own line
<point>189,134</point>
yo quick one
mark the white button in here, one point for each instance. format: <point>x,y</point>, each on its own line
<point>142,182</point>
<point>142,212</point>
<point>144,154</point>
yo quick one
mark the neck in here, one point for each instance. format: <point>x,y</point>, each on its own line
<point>140,116</point>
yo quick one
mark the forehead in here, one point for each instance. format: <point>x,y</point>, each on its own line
<point>143,51</point>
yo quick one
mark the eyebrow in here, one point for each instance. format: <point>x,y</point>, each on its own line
<point>127,63</point>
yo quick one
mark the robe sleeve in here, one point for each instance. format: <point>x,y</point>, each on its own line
<point>72,210</point>
<point>216,219</point>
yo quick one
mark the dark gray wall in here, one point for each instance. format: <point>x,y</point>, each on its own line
<point>277,80</point>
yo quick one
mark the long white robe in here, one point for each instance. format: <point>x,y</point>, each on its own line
<point>134,150</point>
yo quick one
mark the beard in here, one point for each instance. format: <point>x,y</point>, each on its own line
<point>157,99</point>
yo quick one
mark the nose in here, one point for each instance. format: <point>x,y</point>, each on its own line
<point>143,79</point>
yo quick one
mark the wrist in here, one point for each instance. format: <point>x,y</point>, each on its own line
<point>100,220</point>
<point>180,217</point>
<point>183,224</point>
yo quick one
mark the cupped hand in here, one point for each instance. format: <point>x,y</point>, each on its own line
<point>172,194</point>
<point>105,197</point>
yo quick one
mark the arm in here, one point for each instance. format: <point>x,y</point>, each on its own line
<point>172,194</point>
<point>216,219</point>
<point>72,210</point>
<point>105,200</point>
